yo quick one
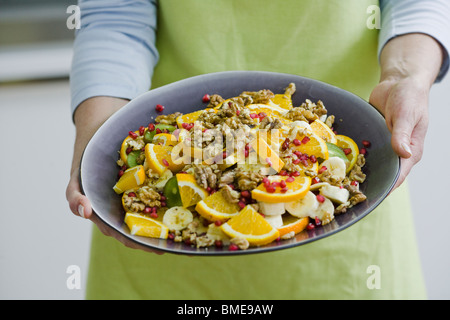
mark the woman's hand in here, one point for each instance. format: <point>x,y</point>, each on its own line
<point>409,67</point>
<point>88,117</point>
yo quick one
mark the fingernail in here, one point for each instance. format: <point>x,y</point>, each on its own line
<point>407,148</point>
<point>81,210</point>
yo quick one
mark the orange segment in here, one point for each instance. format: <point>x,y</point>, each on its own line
<point>140,225</point>
<point>189,117</point>
<point>323,131</point>
<point>292,224</point>
<point>124,147</point>
<point>215,208</point>
<point>266,154</point>
<point>312,144</point>
<point>273,192</point>
<point>190,192</point>
<point>344,143</point>
<point>250,225</point>
<point>283,100</point>
<point>165,139</point>
<point>159,158</point>
<point>131,178</point>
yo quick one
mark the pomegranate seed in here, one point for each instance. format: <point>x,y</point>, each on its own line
<point>347,151</point>
<point>218,244</point>
<point>320,198</point>
<point>305,140</point>
<point>231,186</point>
<point>132,134</point>
<point>296,161</point>
<point>224,154</point>
<point>363,151</point>
<point>283,184</point>
<point>233,247</point>
<point>171,236</point>
<point>132,195</point>
<point>238,112</point>
<point>297,142</point>
<point>164,161</point>
<point>310,226</point>
<point>268,161</point>
<point>266,181</point>
<point>241,204</point>
<point>313,159</point>
<point>184,125</point>
<point>206,98</point>
<point>148,209</point>
<point>246,153</point>
<point>154,215</point>
<point>247,147</point>
<point>295,174</point>
<point>262,214</point>
<point>323,169</point>
<point>141,130</point>
<point>290,179</point>
<point>284,190</point>
<point>128,151</point>
<point>162,198</point>
<point>253,115</point>
<point>315,180</point>
<point>271,189</point>
<point>217,223</point>
<point>159,108</point>
<point>366,143</point>
<point>317,221</point>
<point>151,127</point>
<point>245,194</point>
<point>354,183</point>
<point>275,184</point>
<point>163,204</point>
<point>262,115</point>
<point>283,173</point>
<point>121,172</point>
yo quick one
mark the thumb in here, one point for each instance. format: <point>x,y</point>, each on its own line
<point>401,137</point>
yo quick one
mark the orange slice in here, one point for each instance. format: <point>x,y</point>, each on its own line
<point>312,144</point>
<point>266,154</point>
<point>124,147</point>
<point>323,131</point>
<point>283,101</point>
<point>190,192</point>
<point>131,178</point>
<point>165,139</point>
<point>292,224</point>
<point>350,148</point>
<point>250,225</point>
<point>159,158</point>
<point>273,192</point>
<point>215,208</point>
<point>140,225</point>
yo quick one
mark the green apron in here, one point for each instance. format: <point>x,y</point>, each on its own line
<point>323,39</point>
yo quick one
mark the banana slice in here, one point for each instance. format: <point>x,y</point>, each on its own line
<point>271,209</point>
<point>177,218</point>
<point>336,167</point>
<point>305,207</point>
<point>335,194</point>
<point>325,212</point>
<point>215,233</point>
<point>275,221</point>
<point>317,186</point>
<point>301,124</point>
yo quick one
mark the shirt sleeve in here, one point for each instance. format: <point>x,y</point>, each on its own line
<point>431,17</point>
<point>114,51</point>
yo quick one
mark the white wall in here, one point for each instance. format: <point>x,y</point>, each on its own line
<point>40,238</point>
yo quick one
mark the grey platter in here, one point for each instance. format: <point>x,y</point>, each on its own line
<point>355,118</point>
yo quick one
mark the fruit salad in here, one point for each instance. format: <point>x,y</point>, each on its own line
<point>241,172</point>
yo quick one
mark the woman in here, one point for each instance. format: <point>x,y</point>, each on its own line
<point>116,56</point>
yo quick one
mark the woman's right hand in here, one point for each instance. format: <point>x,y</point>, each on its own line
<point>88,117</point>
